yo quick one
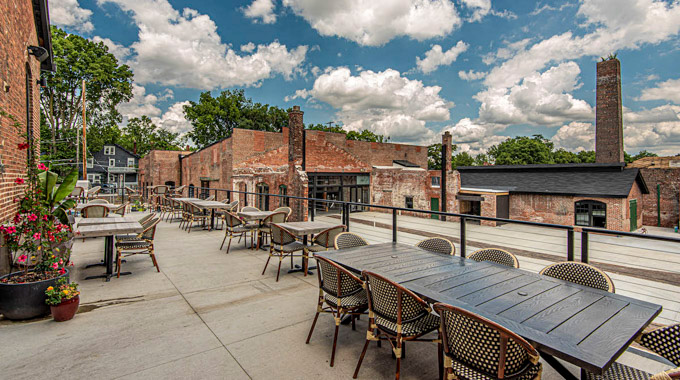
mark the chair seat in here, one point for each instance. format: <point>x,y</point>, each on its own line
<point>241,229</point>
<point>355,300</point>
<point>133,244</point>
<point>619,371</point>
<point>127,237</point>
<point>419,327</point>
<point>291,247</point>
<point>317,248</point>
<point>464,372</point>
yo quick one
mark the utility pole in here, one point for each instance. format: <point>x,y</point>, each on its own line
<point>84,136</point>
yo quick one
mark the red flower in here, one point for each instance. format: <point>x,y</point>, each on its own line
<point>42,166</point>
<point>19,181</point>
<point>62,271</point>
<point>45,217</point>
<point>23,146</point>
<point>32,217</point>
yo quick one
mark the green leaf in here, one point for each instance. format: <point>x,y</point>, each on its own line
<point>67,186</point>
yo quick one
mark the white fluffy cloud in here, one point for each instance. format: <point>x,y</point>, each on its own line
<point>384,102</point>
<point>184,49</point>
<point>667,90</point>
<point>262,10</point>
<point>143,103</point>
<point>479,8</point>
<point>68,13</point>
<point>575,136</point>
<point>436,57</point>
<point>121,52</point>
<point>375,22</point>
<point>473,137</point>
<point>173,119</point>
<point>471,75</point>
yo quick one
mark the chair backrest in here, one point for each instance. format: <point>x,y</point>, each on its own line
<point>496,255</point>
<point>348,240</point>
<point>150,229</point>
<point>232,206</point>
<point>336,280</point>
<point>130,191</point>
<point>482,345</point>
<point>93,191</point>
<point>179,190</point>
<point>438,245</point>
<point>77,192</point>
<point>160,190</point>
<point>210,198</point>
<point>327,237</point>
<point>232,220</point>
<point>579,273</point>
<point>146,218</point>
<point>287,210</point>
<point>391,301</point>
<point>95,211</point>
<point>276,217</point>
<point>665,341</point>
<point>280,235</point>
<point>98,201</point>
<point>250,208</point>
<point>121,210</point>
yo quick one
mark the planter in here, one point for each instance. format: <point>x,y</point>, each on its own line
<point>25,301</point>
<point>65,310</point>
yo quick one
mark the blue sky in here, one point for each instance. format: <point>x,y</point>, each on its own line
<point>484,70</point>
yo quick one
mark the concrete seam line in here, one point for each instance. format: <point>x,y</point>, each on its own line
<point>167,362</point>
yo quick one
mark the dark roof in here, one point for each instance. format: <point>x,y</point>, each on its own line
<point>404,163</point>
<point>597,180</point>
<point>42,26</point>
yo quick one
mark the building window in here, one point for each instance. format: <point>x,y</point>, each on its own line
<point>94,178</point>
<point>283,190</point>
<point>90,163</point>
<point>131,162</point>
<point>436,181</point>
<point>112,162</point>
<point>109,150</point>
<point>112,178</point>
<point>409,202</point>
<point>262,196</point>
<point>590,214</point>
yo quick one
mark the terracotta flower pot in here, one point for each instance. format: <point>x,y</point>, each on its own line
<point>66,309</point>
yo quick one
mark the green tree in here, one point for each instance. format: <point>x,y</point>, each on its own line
<point>326,128</point>
<point>482,159</point>
<point>364,135</point>
<point>642,154</point>
<point>434,156</point>
<point>214,118</point>
<point>586,156</point>
<point>523,150</point>
<point>108,84</point>
<point>463,159</point>
<point>562,156</point>
<point>142,135</point>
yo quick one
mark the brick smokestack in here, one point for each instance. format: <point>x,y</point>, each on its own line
<point>296,137</point>
<point>447,149</point>
<point>608,113</point>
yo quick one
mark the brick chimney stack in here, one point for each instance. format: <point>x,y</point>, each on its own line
<point>608,113</point>
<point>296,136</point>
<point>447,150</point>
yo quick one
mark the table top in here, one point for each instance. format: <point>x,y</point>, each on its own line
<point>110,206</point>
<point>254,215</point>
<point>186,199</point>
<point>106,220</point>
<point>306,228</point>
<point>209,204</point>
<point>584,326</point>
<point>96,230</point>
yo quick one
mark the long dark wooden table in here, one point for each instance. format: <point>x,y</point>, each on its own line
<point>587,327</point>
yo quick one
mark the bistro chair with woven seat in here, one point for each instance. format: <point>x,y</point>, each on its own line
<point>348,240</point>
<point>438,245</point>
<point>177,192</point>
<point>342,293</point>
<point>478,349</point>
<point>174,209</point>
<point>196,215</point>
<point>94,211</point>
<point>144,221</point>
<point>397,315</point>
<point>283,244</point>
<point>120,210</point>
<point>579,273</point>
<point>98,201</point>
<point>92,193</point>
<point>264,230</point>
<point>77,194</point>
<point>210,198</point>
<point>325,240</point>
<point>663,341</point>
<point>157,193</point>
<point>249,209</point>
<point>495,255</point>
<point>235,226</point>
<point>285,209</point>
<point>132,194</point>
<point>141,246</point>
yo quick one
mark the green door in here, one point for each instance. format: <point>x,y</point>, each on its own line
<point>633,215</point>
<point>434,206</point>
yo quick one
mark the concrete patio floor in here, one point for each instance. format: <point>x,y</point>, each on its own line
<point>206,315</point>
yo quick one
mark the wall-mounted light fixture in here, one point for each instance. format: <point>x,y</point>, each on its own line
<point>42,82</point>
<point>39,52</point>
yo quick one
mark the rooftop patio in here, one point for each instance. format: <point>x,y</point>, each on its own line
<point>209,314</point>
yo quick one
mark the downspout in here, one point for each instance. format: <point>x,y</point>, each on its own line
<point>442,207</point>
<point>658,205</point>
<point>180,168</point>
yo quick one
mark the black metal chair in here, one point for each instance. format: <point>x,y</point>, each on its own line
<point>496,255</point>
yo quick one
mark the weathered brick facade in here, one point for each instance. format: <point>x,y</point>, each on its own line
<point>608,113</point>
<point>19,96</point>
<point>661,174</point>
<point>160,167</point>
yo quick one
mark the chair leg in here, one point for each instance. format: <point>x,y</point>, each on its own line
<point>335,338</point>
<point>265,264</point>
<point>118,254</point>
<point>155,263</point>
<point>361,359</point>
<point>229,245</point>
<point>279,271</point>
<point>312,329</point>
<point>440,357</point>
<point>225,238</point>
<point>398,359</point>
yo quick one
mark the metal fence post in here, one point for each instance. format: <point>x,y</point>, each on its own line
<point>584,247</point>
<point>394,225</point>
<point>462,237</point>
<point>570,245</point>
<point>313,210</point>
<point>346,206</point>
<point>228,196</point>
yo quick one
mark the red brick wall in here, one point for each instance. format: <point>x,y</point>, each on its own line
<point>159,167</point>
<point>608,113</point>
<point>669,181</point>
<point>391,186</point>
<point>17,28</point>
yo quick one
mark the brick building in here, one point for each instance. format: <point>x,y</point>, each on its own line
<point>25,50</point>
<point>662,203</point>
<point>303,162</point>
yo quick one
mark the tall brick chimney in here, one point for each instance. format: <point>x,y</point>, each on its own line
<point>608,113</point>
<point>447,149</point>
<point>296,141</point>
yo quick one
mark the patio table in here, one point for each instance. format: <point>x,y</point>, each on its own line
<point>252,216</point>
<point>587,327</point>
<point>108,230</point>
<point>106,220</point>
<point>305,229</point>
<point>110,206</point>
<point>209,205</point>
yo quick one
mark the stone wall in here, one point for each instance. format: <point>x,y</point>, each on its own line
<point>391,186</point>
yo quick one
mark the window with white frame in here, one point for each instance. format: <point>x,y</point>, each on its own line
<point>90,163</point>
<point>94,178</point>
<point>112,178</point>
<point>131,162</point>
<point>112,162</point>
<point>109,150</point>
<point>436,181</point>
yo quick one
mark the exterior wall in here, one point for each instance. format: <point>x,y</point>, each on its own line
<point>159,167</point>
<point>212,164</point>
<point>663,172</point>
<point>101,165</point>
<point>391,186</point>
<point>608,113</point>
<point>17,32</point>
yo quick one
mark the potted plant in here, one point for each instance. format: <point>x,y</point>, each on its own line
<point>64,299</point>
<point>34,237</point>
